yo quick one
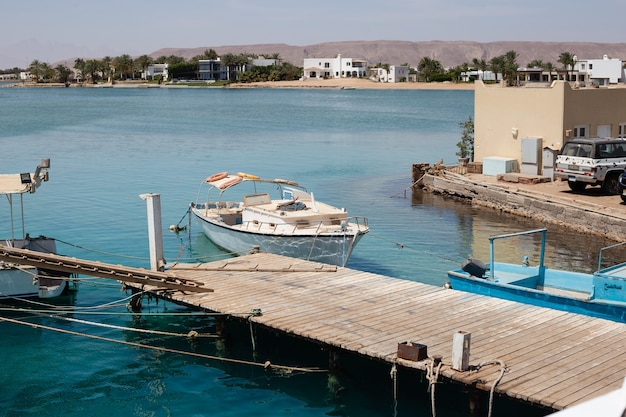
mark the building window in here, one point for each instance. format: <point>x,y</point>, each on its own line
<point>622,131</point>
<point>327,65</point>
<point>580,131</point>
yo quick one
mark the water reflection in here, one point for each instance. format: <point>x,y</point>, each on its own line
<point>565,248</point>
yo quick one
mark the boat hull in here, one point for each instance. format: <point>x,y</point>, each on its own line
<point>334,248</point>
<point>25,282</point>
<point>555,289</point>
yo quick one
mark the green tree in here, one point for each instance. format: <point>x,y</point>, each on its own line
<point>37,70</point>
<point>106,66</point>
<point>63,73</point>
<point>143,62</point>
<point>79,66</point>
<point>124,66</point>
<point>92,68</point>
<point>568,61</point>
<point>466,144</point>
<point>429,67</point>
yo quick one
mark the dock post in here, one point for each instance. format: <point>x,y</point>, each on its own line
<point>461,351</point>
<point>155,230</point>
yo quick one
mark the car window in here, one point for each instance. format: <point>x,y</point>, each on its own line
<point>577,149</point>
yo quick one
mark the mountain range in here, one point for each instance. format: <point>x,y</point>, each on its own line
<point>448,53</point>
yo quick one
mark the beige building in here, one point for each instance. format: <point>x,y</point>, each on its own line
<point>506,117</point>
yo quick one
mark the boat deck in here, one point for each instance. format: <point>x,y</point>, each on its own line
<point>555,359</point>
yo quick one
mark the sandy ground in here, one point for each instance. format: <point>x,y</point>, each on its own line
<point>356,83</point>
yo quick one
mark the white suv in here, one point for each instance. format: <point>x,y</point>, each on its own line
<point>592,161</point>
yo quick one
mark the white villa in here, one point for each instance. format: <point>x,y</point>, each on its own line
<point>155,70</point>
<point>602,72</point>
<point>396,74</point>
<point>337,67</point>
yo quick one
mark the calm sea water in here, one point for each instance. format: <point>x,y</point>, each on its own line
<point>353,149</point>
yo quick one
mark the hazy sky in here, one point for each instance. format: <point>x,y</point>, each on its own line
<point>50,30</point>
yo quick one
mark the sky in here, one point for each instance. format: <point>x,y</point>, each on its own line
<point>51,31</point>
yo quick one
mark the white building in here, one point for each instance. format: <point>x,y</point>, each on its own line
<point>212,69</point>
<point>603,71</point>
<point>479,75</point>
<point>395,74</point>
<point>156,70</point>
<point>337,67</point>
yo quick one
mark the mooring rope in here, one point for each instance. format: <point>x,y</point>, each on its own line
<point>493,386</point>
<point>190,334</point>
<point>394,377</point>
<point>432,375</point>
<point>410,186</point>
<point>400,245</point>
<point>266,365</point>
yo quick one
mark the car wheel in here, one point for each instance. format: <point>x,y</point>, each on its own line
<point>611,184</point>
<point>576,185</point>
<point>623,198</point>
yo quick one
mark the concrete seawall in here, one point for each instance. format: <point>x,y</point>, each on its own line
<point>552,203</point>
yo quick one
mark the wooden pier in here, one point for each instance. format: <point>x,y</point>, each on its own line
<point>553,358</point>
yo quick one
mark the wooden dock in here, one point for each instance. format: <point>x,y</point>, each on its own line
<point>553,358</point>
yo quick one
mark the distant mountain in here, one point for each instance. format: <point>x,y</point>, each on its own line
<point>449,53</point>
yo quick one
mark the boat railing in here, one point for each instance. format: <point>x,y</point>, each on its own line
<point>492,240</point>
<point>607,248</point>
<point>360,222</point>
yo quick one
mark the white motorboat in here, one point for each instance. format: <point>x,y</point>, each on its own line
<point>23,280</point>
<point>290,223</point>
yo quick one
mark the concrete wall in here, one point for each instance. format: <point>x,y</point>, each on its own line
<point>528,204</point>
<point>534,112</point>
<point>504,115</point>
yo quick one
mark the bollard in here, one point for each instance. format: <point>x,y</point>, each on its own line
<point>461,351</point>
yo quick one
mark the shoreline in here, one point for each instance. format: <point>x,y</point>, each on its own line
<point>335,83</point>
<point>355,83</point>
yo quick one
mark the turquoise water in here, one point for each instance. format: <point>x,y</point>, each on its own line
<point>353,149</point>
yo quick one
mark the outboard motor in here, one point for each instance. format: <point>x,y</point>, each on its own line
<point>474,267</point>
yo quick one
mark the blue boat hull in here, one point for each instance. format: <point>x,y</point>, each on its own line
<point>561,290</point>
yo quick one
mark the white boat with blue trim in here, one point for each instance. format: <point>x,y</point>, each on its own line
<point>24,281</point>
<point>599,294</point>
<point>276,216</point>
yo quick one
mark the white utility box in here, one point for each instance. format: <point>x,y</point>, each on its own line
<point>494,165</point>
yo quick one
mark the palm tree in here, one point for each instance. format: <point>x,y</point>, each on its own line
<point>123,65</point>
<point>63,73</point>
<point>92,67</point>
<point>497,65</point>
<point>568,61</point>
<point>143,62</point>
<point>429,67</point>
<point>106,67</point>
<point>79,66</point>
<point>510,66</point>
<point>549,67</point>
<point>36,69</point>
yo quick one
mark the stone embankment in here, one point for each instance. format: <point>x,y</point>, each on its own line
<point>549,202</point>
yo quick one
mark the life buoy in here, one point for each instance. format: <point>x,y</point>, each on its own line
<point>247,176</point>
<point>217,177</point>
<point>230,182</point>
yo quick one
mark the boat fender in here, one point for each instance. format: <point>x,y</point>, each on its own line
<point>474,267</point>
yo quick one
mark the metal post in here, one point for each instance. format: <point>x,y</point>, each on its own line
<point>155,230</point>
